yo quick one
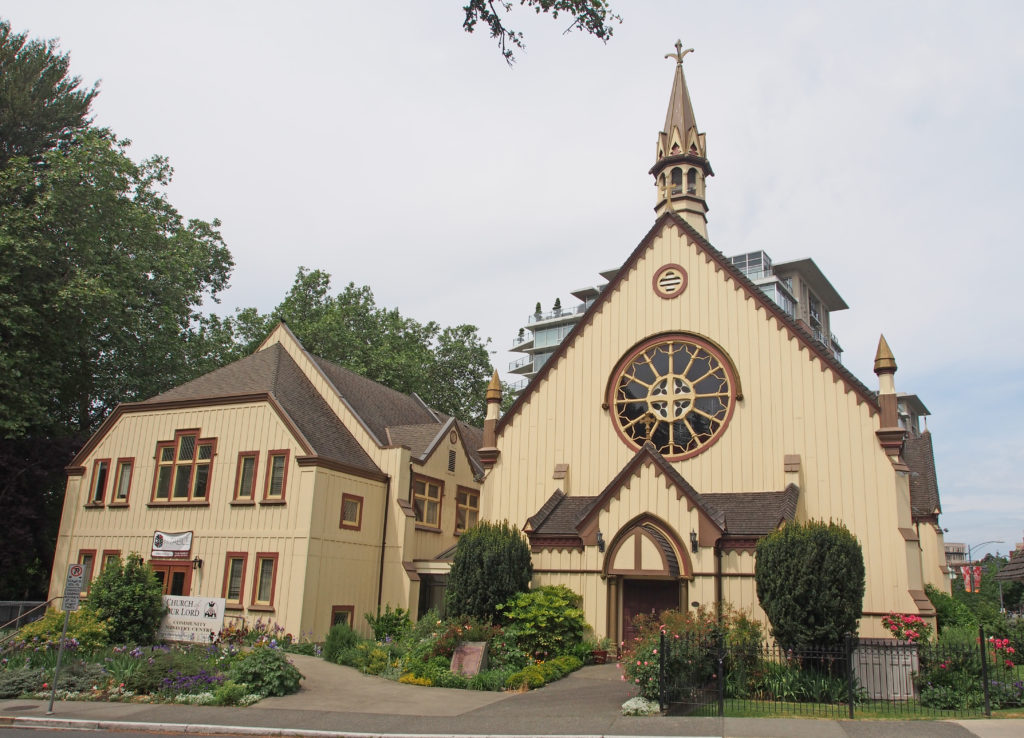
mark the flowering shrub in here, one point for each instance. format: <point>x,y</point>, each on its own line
<point>911,628</point>
<point>1002,652</point>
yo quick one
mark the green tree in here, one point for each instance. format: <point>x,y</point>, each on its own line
<point>449,368</point>
<point>41,107</point>
<point>100,285</point>
<point>491,565</point>
<point>810,583</point>
<point>591,16</point>
<point>128,596</point>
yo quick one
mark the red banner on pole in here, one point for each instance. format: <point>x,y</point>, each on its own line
<point>966,573</point>
<point>977,579</point>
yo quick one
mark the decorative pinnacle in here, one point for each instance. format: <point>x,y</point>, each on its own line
<point>678,56</point>
<point>494,388</point>
<point>885,362</point>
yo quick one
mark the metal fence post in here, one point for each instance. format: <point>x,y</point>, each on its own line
<point>849,672</point>
<point>984,669</point>
<point>662,688</point>
<point>721,675</point>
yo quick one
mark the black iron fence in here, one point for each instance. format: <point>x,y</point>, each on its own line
<point>859,678</point>
<point>14,614</point>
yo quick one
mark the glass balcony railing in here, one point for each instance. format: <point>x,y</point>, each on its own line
<point>560,313</point>
<point>520,384</point>
<point>520,362</point>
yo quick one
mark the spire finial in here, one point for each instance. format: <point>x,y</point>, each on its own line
<point>678,56</point>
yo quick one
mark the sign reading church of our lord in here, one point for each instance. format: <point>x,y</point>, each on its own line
<point>191,619</point>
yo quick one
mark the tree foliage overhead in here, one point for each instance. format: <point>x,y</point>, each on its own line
<point>41,107</point>
<point>591,16</point>
<point>810,583</point>
<point>448,367</point>
<point>491,565</point>
<point>100,284</point>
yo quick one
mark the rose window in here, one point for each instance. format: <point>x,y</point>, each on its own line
<point>676,393</point>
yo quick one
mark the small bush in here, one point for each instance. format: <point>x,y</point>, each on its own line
<point>16,682</point>
<point>544,622</point>
<point>340,638</point>
<point>528,678</point>
<point>161,664</point>
<point>410,678</point>
<point>949,612</point>
<point>492,680</point>
<point>229,693</point>
<point>390,624</point>
<point>130,598</point>
<point>267,671</point>
<point>86,632</point>
<point>491,564</point>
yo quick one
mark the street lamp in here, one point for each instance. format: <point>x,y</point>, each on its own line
<point>970,548</point>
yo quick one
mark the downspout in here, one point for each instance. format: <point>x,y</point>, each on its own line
<point>383,543</point>
<point>718,580</point>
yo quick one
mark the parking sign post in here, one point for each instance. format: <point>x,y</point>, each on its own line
<point>72,592</point>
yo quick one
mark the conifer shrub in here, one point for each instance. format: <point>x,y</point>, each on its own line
<point>340,638</point>
<point>491,565</point>
<point>128,596</point>
<point>810,583</point>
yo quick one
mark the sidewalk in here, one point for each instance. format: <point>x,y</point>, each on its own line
<point>341,701</point>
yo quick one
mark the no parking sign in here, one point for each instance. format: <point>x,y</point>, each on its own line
<point>73,587</point>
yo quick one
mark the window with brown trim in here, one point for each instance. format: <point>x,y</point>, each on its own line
<point>264,580</point>
<point>98,485</point>
<point>123,481</point>
<point>234,578</point>
<point>351,512</point>
<point>426,500</point>
<point>467,508</point>
<point>342,614</point>
<point>245,475</point>
<point>110,556</point>
<point>277,475</point>
<point>183,468</point>
<point>87,558</point>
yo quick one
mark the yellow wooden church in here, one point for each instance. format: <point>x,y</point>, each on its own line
<point>685,415</point>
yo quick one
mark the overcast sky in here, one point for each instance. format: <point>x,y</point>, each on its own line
<point>378,141</point>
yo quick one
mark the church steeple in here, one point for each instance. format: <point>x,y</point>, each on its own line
<point>681,165</point>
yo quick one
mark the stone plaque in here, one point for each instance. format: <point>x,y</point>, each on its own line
<point>470,658</point>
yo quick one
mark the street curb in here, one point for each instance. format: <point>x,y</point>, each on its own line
<point>124,726</point>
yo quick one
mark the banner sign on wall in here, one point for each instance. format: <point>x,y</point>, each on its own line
<point>192,619</point>
<point>172,545</point>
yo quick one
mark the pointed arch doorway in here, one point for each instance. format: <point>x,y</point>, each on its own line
<point>647,570</point>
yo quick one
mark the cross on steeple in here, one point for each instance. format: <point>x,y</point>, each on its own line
<point>678,56</point>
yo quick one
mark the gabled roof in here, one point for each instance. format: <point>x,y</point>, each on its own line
<point>814,349</point>
<point>1014,570</point>
<point>376,405</point>
<point>268,374</point>
<point>737,514</point>
<point>924,487</point>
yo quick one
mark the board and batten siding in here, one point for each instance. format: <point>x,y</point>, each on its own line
<point>218,526</point>
<point>792,404</point>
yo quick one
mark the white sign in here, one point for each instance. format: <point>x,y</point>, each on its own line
<point>192,619</point>
<point>172,545</point>
<point>73,586</point>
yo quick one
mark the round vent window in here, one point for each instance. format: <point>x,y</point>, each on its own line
<point>670,281</point>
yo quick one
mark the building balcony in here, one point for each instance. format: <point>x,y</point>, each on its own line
<point>562,314</point>
<point>522,365</point>
<point>522,343</point>
<point>519,385</point>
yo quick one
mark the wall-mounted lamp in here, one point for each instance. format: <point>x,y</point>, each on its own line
<point>693,541</point>
<point>600,542</point>
<point>197,563</point>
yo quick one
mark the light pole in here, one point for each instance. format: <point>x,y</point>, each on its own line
<point>970,562</point>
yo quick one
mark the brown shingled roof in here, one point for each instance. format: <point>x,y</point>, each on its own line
<point>272,371</point>
<point>924,487</point>
<point>754,513</point>
<point>378,406</point>
<point>1014,570</point>
<point>417,438</point>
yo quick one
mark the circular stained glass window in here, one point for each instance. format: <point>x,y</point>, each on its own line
<point>676,392</point>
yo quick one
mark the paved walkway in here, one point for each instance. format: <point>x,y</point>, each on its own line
<point>341,701</point>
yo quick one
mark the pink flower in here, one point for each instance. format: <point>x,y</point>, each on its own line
<point>654,652</point>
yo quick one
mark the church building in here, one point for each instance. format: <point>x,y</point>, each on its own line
<point>688,414</point>
<point>685,415</point>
